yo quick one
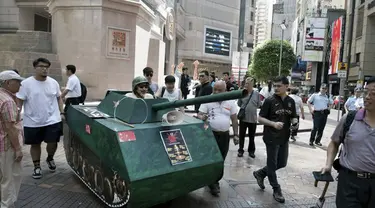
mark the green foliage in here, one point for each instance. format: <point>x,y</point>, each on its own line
<point>265,60</point>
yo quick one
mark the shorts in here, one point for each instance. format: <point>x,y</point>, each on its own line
<point>48,134</point>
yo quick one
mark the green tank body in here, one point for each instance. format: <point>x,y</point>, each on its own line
<point>139,153</point>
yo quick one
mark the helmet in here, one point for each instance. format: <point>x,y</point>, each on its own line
<point>138,80</point>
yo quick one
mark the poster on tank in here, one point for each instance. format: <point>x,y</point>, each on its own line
<point>118,43</point>
<point>175,146</point>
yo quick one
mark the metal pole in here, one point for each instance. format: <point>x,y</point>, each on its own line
<point>241,31</point>
<point>281,50</point>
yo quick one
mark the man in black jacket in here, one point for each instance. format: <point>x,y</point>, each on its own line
<point>226,78</point>
<point>205,87</point>
<point>185,80</point>
<point>277,114</point>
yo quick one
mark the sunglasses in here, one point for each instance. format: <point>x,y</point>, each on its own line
<point>201,75</point>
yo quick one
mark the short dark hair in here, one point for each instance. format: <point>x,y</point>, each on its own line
<point>294,91</point>
<point>213,76</point>
<point>148,70</point>
<point>283,79</point>
<point>15,70</point>
<point>170,79</point>
<point>41,60</point>
<point>205,72</point>
<point>184,68</point>
<point>71,68</point>
<point>226,73</point>
<point>370,80</point>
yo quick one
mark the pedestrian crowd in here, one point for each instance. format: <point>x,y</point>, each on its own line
<point>42,100</point>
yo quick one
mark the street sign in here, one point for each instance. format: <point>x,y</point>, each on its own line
<point>342,70</point>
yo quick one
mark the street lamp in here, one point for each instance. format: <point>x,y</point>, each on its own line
<point>283,27</point>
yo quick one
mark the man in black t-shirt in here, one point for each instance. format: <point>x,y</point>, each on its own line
<point>277,115</point>
<point>226,78</point>
<point>204,88</point>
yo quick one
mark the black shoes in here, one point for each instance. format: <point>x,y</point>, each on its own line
<point>251,154</point>
<point>260,179</point>
<point>278,196</point>
<point>293,138</point>
<point>319,144</point>
<point>240,154</point>
<point>215,189</point>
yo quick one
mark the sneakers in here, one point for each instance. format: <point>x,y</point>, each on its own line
<point>51,165</point>
<point>260,179</point>
<point>278,196</point>
<point>37,173</point>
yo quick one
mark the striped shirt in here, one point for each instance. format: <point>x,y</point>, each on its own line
<point>8,113</point>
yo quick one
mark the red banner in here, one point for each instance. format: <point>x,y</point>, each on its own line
<point>335,45</point>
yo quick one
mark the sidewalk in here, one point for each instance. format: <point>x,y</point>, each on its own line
<point>238,187</point>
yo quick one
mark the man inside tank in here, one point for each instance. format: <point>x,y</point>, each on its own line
<point>140,88</point>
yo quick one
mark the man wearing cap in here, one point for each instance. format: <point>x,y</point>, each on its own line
<point>10,139</point>
<point>350,103</point>
<point>319,105</point>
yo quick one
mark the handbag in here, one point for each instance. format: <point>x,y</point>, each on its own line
<point>242,113</point>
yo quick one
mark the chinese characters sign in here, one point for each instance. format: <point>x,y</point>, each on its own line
<point>175,146</point>
<point>118,43</point>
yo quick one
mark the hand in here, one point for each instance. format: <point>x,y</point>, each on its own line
<point>19,155</point>
<point>62,117</point>
<point>180,65</point>
<point>172,66</point>
<point>236,140</point>
<point>326,169</point>
<point>278,125</point>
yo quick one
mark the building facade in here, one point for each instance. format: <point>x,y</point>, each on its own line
<point>362,56</point>
<point>111,41</point>
<point>211,33</point>
<point>262,23</point>
<point>283,12</point>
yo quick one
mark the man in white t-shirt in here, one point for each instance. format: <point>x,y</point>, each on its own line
<point>40,96</point>
<point>219,115</point>
<point>299,110</point>
<point>72,91</point>
<point>169,91</point>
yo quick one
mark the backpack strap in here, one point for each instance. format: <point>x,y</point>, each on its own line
<point>348,122</point>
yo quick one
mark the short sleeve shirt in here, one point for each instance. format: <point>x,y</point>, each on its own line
<point>219,114</point>
<point>358,152</point>
<point>298,101</point>
<point>277,110</point>
<point>40,100</point>
<point>8,113</point>
<point>320,101</point>
<point>74,87</point>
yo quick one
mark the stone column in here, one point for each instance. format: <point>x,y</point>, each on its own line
<point>107,40</point>
<point>9,16</point>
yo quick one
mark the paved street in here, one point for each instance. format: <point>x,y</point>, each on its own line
<point>238,188</point>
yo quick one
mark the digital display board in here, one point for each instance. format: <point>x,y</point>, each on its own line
<point>217,42</point>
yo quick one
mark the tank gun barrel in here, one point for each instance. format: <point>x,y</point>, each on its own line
<point>200,100</point>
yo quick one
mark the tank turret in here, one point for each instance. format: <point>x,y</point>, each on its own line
<point>125,153</point>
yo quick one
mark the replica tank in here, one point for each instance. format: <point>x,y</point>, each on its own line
<point>142,152</point>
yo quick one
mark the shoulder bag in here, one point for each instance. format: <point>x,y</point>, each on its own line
<point>242,113</point>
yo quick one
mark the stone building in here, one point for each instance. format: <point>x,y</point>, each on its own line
<point>111,41</point>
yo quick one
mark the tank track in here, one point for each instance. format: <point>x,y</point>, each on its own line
<point>104,182</point>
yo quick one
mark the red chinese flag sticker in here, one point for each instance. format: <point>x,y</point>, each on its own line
<point>88,129</point>
<point>126,136</point>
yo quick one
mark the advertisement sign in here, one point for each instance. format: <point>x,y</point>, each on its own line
<point>299,70</point>
<point>118,43</point>
<point>335,45</point>
<point>217,42</point>
<point>175,146</point>
<point>315,29</point>
<point>240,61</point>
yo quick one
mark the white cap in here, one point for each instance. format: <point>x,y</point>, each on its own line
<point>10,74</point>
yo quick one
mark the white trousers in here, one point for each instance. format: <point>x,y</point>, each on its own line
<point>10,177</point>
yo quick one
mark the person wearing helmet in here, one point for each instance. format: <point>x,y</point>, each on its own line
<point>140,88</point>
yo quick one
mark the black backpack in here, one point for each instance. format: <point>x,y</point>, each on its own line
<point>82,98</point>
<point>348,122</point>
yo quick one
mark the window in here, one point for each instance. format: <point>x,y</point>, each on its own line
<point>357,57</point>
<point>42,23</point>
<point>251,30</point>
<point>252,16</point>
<point>359,24</point>
<point>253,3</point>
<point>190,25</point>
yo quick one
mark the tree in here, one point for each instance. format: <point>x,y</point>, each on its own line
<point>265,60</point>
